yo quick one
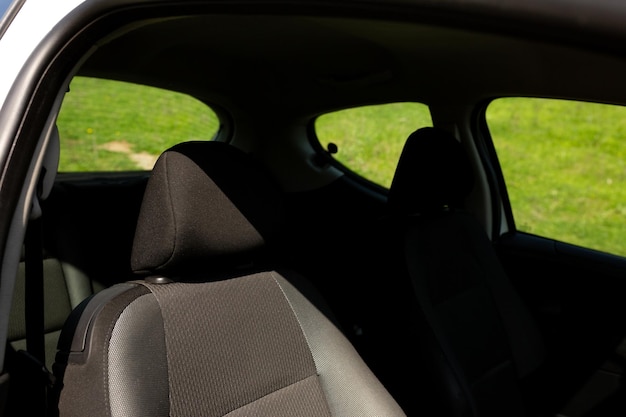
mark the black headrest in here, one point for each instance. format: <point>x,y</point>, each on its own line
<point>206,204</point>
<point>433,172</point>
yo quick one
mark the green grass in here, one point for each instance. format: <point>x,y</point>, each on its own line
<point>148,120</point>
<point>564,165</point>
<point>370,139</point>
<point>564,162</point>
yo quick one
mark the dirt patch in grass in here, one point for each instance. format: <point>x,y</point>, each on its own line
<point>143,160</point>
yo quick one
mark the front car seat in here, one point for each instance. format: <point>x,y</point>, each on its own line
<point>214,329</point>
<point>484,341</point>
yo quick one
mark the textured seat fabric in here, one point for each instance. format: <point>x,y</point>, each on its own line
<point>214,329</point>
<point>482,333</point>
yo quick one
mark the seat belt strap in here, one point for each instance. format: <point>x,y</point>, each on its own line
<point>34,294</point>
<point>34,315</point>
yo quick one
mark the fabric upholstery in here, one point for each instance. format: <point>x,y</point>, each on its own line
<point>479,322</point>
<point>433,172</point>
<point>250,320</point>
<point>82,363</point>
<point>198,211</point>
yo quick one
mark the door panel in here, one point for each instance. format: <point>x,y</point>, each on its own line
<point>577,296</point>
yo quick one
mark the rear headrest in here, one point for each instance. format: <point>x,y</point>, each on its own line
<point>433,172</point>
<point>205,204</point>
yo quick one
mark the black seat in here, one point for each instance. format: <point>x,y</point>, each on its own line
<point>484,340</point>
<point>215,328</point>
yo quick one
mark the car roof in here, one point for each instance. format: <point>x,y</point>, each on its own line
<point>311,64</point>
<point>342,53</point>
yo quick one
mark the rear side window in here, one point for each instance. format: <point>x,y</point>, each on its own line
<point>369,139</point>
<point>109,125</point>
<point>564,163</point>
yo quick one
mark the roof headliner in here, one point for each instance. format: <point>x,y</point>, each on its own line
<point>306,65</point>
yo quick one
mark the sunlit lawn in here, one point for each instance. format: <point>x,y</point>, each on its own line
<point>96,113</point>
<point>564,165</point>
<point>370,138</point>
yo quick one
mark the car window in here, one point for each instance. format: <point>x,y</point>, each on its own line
<point>109,125</point>
<point>564,163</point>
<point>369,139</point>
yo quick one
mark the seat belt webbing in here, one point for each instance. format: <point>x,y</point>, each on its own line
<point>34,293</point>
<point>34,315</point>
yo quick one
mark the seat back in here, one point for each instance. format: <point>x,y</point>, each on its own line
<point>78,242</point>
<point>479,325</point>
<point>214,328</point>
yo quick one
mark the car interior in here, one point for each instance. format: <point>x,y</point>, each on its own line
<point>253,271</point>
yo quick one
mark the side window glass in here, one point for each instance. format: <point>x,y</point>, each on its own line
<point>564,163</point>
<point>109,125</point>
<point>370,139</point>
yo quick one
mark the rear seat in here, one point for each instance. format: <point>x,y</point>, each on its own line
<point>89,224</point>
<point>57,301</point>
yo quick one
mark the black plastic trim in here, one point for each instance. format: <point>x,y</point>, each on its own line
<point>495,174</point>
